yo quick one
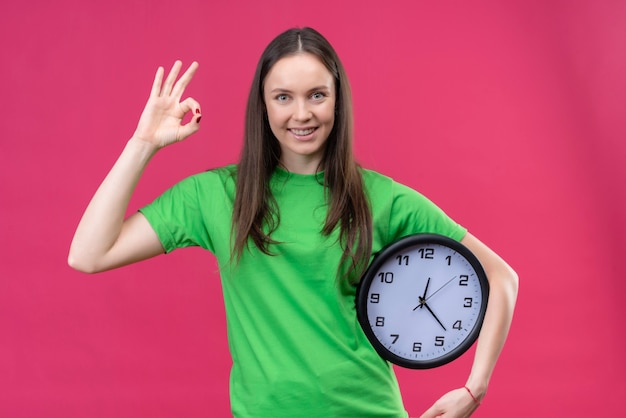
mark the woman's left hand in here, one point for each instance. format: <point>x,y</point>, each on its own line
<point>454,404</point>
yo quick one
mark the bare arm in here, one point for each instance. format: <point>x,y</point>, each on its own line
<point>104,239</point>
<point>503,286</point>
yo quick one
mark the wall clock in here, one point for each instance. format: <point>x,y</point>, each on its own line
<point>422,301</point>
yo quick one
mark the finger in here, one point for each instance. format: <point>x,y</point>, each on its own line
<point>188,129</point>
<point>156,84</point>
<point>171,77</point>
<point>184,80</point>
<point>190,105</point>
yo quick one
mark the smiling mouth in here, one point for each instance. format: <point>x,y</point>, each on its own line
<point>302,132</point>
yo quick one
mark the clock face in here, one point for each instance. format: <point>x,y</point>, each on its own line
<point>422,301</point>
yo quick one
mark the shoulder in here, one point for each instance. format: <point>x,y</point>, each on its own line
<point>376,184</point>
<point>210,183</point>
<point>375,180</point>
<point>220,175</point>
<point>225,173</point>
<point>384,191</point>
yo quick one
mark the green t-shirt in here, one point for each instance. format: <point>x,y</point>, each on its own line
<point>295,341</point>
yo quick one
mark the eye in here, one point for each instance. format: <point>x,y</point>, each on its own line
<point>318,95</point>
<point>282,98</point>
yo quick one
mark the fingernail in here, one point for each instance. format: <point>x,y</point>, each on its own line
<point>198,120</point>
<point>197,111</point>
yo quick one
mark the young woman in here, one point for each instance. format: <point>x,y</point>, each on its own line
<point>293,226</point>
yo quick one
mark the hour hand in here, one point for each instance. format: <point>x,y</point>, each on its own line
<point>423,297</point>
<point>426,290</point>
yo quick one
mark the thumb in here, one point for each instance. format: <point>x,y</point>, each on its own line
<point>432,412</point>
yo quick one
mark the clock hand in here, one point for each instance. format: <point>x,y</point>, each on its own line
<point>423,298</point>
<point>436,291</point>
<point>423,302</point>
<point>426,290</point>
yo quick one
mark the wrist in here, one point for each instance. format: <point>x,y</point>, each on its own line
<point>474,398</point>
<point>144,148</point>
<point>477,390</point>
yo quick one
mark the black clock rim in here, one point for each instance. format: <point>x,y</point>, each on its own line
<point>380,258</point>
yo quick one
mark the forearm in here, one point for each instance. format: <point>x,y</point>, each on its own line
<point>102,221</point>
<point>502,297</point>
<point>503,283</point>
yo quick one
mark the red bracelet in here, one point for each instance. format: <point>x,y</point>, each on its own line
<point>472,395</point>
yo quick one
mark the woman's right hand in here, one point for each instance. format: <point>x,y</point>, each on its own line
<point>161,122</point>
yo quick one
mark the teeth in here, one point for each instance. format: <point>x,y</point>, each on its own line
<point>302,132</point>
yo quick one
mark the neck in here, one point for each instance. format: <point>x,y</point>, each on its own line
<point>303,166</point>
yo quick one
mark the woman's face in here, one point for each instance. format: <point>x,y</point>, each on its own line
<point>299,95</point>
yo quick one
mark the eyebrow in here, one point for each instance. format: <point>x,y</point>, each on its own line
<point>283,90</point>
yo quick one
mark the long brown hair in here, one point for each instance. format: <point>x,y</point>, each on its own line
<point>255,214</point>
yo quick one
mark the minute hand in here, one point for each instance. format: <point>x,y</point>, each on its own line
<point>432,313</point>
<point>436,291</point>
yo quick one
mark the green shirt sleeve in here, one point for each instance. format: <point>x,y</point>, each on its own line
<point>178,218</point>
<point>399,210</point>
<point>189,213</point>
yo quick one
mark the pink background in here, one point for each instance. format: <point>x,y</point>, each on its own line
<point>509,115</point>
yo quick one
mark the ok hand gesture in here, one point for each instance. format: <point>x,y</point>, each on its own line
<point>161,121</point>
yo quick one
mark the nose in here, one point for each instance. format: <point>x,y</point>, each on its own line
<point>301,111</point>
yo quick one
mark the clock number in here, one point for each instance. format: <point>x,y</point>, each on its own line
<point>380,321</point>
<point>449,259</point>
<point>395,337</point>
<point>463,280</point>
<point>386,277</point>
<point>457,325</point>
<point>439,341</point>
<point>468,303</point>
<point>427,253</point>
<point>402,258</point>
<point>374,298</point>
<point>417,347</point>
